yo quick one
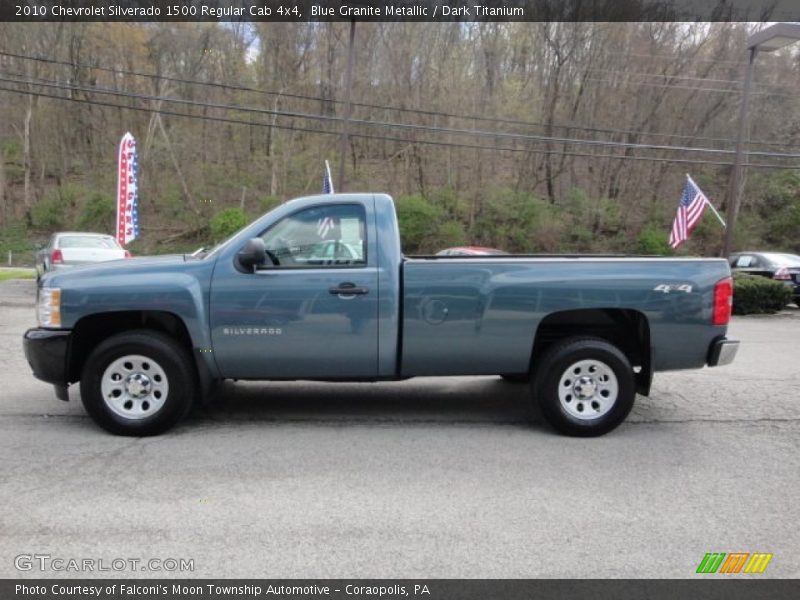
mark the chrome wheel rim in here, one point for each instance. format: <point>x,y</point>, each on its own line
<point>134,387</point>
<point>588,389</point>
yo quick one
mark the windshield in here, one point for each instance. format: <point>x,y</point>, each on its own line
<point>87,241</point>
<point>206,253</point>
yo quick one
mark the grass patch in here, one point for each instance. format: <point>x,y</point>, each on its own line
<point>5,275</point>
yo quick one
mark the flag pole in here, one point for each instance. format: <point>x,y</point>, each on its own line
<point>328,173</point>
<point>714,210</point>
<point>708,202</point>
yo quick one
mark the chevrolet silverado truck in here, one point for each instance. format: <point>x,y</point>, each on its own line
<point>319,289</point>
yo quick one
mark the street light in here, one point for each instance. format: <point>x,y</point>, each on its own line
<point>770,39</point>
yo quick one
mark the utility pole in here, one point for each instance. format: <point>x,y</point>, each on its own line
<point>769,39</point>
<point>346,122</point>
<point>736,173</point>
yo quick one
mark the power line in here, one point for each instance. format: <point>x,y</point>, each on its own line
<point>687,87</point>
<point>390,125</point>
<point>736,82</point>
<point>387,138</point>
<point>674,57</point>
<point>388,108</point>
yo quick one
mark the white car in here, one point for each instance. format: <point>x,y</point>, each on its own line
<point>69,249</point>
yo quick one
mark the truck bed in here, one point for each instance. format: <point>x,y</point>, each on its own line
<point>479,315</point>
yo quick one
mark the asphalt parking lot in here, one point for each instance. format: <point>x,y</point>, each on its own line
<point>426,478</point>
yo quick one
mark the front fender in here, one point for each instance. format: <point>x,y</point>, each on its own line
<point>183,294</point>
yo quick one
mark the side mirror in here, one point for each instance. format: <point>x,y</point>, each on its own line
<point>252,254</point>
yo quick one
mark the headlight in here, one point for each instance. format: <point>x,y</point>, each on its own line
<point>48,309</point>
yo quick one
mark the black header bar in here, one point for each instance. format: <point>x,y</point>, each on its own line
<point>442,11</point>
<point>705,587</point>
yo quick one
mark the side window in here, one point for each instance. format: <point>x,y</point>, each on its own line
<point>323,236</point>
<point>745,261</point>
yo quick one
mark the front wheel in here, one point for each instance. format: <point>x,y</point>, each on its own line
<point>584,387</point>
<point>138,383</point>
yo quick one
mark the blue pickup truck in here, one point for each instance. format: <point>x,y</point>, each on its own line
<point>319,289</point>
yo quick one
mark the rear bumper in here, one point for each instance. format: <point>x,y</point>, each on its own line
<point>722,352</point>
<point>46,352</point>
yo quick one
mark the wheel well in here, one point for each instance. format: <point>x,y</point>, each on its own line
<point>626,329</point>
<point>90,331</point>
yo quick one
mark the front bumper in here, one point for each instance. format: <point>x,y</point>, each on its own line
<point>722,352</point>
<point>46,351</point>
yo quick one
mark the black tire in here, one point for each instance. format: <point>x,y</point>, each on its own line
<point>170,357</point>
<point>516,378</point>
<point>551,373</point>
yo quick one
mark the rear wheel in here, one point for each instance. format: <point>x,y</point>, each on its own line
<point>584,387</point>
<point>138,383</point>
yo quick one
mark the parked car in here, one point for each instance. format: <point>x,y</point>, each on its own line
<point>147,338</point>
<point>71,248</point>
<point>775,265</point>
<point>335,252</point>
<point>470,251</point>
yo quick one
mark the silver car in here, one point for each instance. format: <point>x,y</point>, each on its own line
<point>67,249</point>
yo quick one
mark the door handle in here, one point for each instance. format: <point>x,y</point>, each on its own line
<point>348,289</point>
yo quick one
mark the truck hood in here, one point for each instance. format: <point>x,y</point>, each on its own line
<point>144,264</point>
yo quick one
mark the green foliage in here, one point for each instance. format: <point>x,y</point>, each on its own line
<point>11,155</point>
<point>451,233</point>
<point>49,214</point>
<point>450,202</point>
<point>516,222</point>
<point>419,222</point>
<point>227,222</point>
<point>781,210</point>
<point>55,211</point>
<point>98,214</point>
<point>770,212</point>
<point>706,238</point>
<point>171,204</point>
<point>423,228</point>
<point>267,203</point>
<point>609,218</point>
<point>15,238</point>
<point>653,240</point>
<point>11,150</point>
<point>578,235</point>
<point>753,294</point>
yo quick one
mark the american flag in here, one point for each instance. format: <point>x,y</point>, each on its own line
<point>327,180</point>
<point>324,226</point>
<point>693,203</point>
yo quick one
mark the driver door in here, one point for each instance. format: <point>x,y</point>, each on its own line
<point>312,312</point>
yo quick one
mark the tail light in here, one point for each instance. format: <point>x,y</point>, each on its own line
<point>782,274</point>
<point>56,257</point>
<point>723,302</point>
<point>128,254</point>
